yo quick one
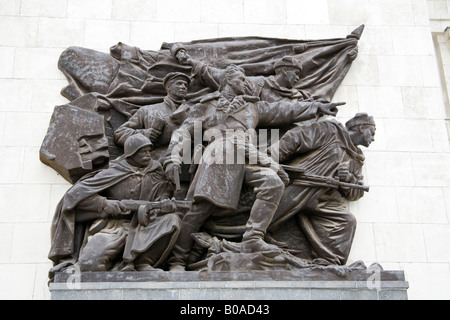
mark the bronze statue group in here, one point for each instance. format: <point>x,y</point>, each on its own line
<point>173,203</point>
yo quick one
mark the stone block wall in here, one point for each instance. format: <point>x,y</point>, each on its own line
<point>398,77</point>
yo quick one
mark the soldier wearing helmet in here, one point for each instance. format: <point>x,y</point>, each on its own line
<point>93,208</point>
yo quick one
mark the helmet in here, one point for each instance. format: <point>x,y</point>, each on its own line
<point>134,143</point>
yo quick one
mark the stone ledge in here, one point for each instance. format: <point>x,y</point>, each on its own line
<point>254,285</point>
<point>307,274</point>
<point>357,285</point>
<point>235,291</point>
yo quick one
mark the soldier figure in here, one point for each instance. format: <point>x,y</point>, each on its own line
<point>158,121</point>
<point>233,112</point>
<point>92,225</point>
<point>329,150</point>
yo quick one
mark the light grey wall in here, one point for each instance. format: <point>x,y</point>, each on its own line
<point>403,222</point>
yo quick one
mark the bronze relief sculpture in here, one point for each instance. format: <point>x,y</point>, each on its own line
<point>219,154</point>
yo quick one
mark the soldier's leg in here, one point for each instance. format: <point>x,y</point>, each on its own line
<point>157,253</point>
<point>191,223</point>
<point>268,188</point>
<point>330,229</point>
<point>101,249</point>
<point>147,260</point>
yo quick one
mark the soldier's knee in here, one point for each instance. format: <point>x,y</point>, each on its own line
<point>278,185</point>
<point>272,190</point>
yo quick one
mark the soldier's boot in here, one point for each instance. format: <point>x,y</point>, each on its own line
<point>182,248</point>
<point>145,262</point>
<point>260,217</point>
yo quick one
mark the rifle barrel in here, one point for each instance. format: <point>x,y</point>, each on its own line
<point>321,181</point>
<point>135,204</point>
<point>354,186</point>
<point>327,182</point>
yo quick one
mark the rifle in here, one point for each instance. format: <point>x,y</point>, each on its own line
<point>134,205</point>
<point>89,216</point>
<point>143,207</point>
<point>304,179</point>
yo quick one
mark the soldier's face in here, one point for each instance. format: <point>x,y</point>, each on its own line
<point>367,135</point>
<point>182,56</point>
<point>238,84</point>
<point>178,88</point>
<point>290,77</point>
<point>142,157</point>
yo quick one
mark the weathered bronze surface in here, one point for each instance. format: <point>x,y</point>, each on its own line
<point>218,154</point>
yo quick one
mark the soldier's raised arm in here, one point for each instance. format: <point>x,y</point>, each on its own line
<point>211,76</point>
<point>284,113</point>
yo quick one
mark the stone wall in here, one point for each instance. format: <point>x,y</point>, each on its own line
<point>403,222</point>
